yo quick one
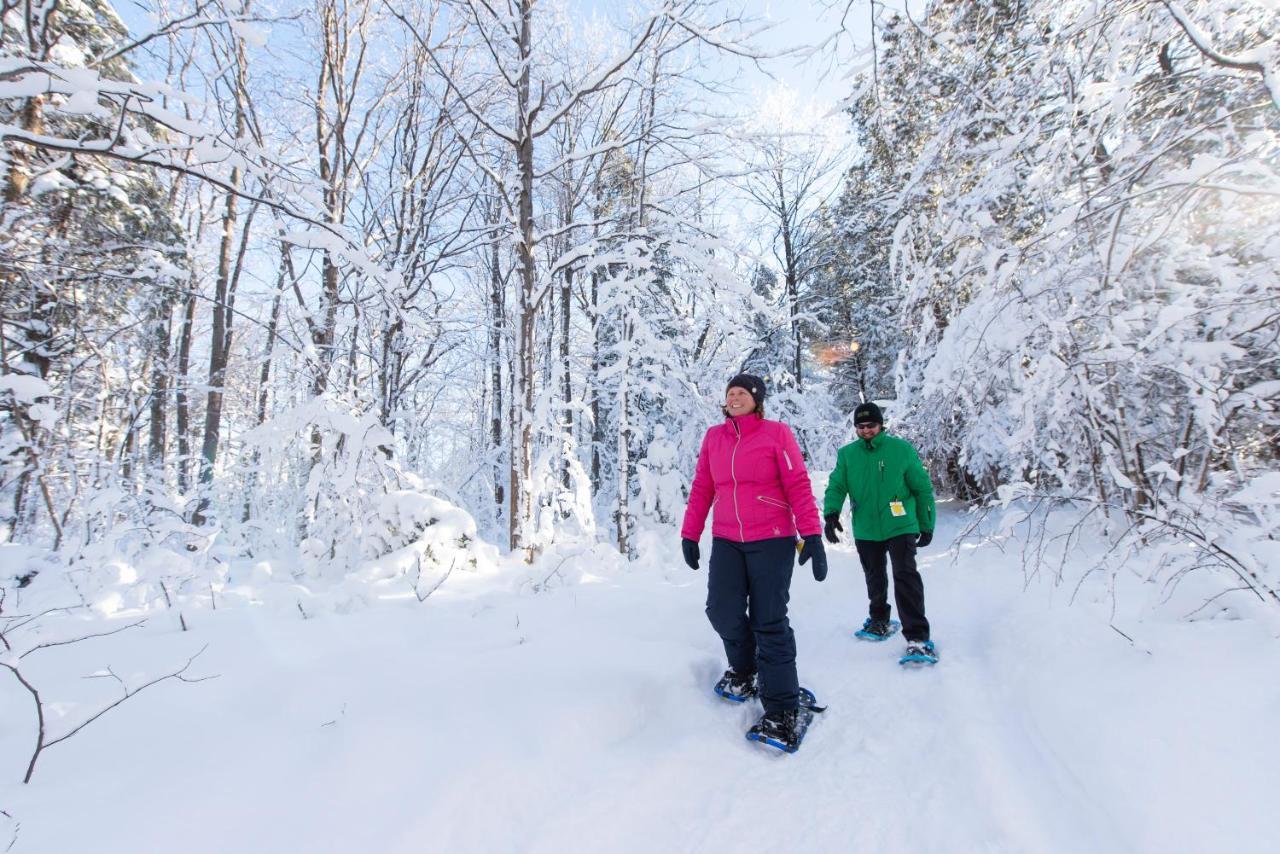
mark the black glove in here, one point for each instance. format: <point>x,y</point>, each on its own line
<point>833,525</point>
<point>924,539</point>
<point>813,548</point>
<point>691,553</point>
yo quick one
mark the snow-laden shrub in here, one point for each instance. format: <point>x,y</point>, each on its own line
<point>414,542</point>
<point>332,523</point>
<point>1202,567</point>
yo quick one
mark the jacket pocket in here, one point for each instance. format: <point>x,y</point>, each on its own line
<point>774,502</point>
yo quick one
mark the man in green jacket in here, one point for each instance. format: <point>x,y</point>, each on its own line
<point>893,515</point>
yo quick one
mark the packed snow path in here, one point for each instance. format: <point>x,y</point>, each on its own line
<point>582,719</point>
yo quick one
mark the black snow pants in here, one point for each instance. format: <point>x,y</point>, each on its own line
<point>908,587</point>
<point>748,587</point>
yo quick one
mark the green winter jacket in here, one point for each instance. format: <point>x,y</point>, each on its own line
<point>888,485</point>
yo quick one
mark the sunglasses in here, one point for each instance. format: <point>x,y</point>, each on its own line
<point>867,425</point>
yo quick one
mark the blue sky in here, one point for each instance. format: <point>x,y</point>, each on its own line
<point>795,23</point>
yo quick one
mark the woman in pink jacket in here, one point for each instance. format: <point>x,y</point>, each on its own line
<point>751,472</point>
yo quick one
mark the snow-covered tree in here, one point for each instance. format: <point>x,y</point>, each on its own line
<point>1083,242</point>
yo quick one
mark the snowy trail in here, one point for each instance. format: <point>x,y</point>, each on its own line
<point>582,720</point>
<point>946,741</point>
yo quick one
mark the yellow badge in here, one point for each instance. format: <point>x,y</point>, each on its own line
<point>896,508</point>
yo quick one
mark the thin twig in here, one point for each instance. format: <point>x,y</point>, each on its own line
<point>51,644</point>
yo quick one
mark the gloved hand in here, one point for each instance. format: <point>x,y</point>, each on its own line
<point>691,553</point>
<point>833,525</point>
<point>813,548</point>
<point>924,539</point>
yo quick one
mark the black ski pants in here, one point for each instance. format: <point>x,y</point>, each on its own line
<point>908,587</point>
<point>748,587</point>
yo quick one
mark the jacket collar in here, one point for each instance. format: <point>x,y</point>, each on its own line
<point>743,425</point>
<point>874,442</point>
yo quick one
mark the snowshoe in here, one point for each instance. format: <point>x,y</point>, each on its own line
<point>920,652</point>
<point>878,630</point>
<point>810,702</point>
<point>783,730</point>
<point>738,687</point>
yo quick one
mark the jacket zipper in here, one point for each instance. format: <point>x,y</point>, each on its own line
<point>742,534</point>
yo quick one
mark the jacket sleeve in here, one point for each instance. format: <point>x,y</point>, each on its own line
<point>837,487</point>
<point>922,488</point>
<point>701,494</point>
<point>796,484</point>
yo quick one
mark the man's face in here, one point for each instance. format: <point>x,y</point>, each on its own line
<point>867,429</point>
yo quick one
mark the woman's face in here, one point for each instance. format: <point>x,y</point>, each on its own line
<point>739,401</point>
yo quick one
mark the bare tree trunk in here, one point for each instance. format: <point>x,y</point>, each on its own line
<point>566,295</point>
<point>132,411</point>
<point>217,353</point>
<point>626,433</point>
<point>330,134</point>
<point>224,294</point>
<point>793,290</point>
<point>497,309</point>
<point>159,405</point>
<point>623,516</point>
<point>273,327</point>
<point>264,385</point>
<point>220,345</point>
<point>182,406</point>
<point>597,427</point>
<point>522,461</point>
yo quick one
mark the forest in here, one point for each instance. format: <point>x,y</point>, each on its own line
<point>295,279</point>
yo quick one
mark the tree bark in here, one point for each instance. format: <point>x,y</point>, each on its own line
<point>497,310</point>
<point>264,385</point>
<point>566,390</point>
<point>597,427</point>
<point>161,321</point>
<point>181,403</point>
<point>623,516</point>
<point>217,353</point>
<point>522,460</point>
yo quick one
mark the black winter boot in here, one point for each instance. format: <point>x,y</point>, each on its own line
<point>783,729</point>
<point>736,686</point>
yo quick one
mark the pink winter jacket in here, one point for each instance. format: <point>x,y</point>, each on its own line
<point>751,471</point>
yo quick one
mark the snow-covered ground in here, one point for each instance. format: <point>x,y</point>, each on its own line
<point>492,718</point>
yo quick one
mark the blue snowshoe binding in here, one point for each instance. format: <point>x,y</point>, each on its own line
<point>737,687</point>
<point>878,630</point>
<point>785,730</point>
<point>919,653</point>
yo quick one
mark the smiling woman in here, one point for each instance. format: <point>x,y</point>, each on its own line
<point>750,469</point>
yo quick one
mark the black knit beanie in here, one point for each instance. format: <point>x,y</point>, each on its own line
<point>752,384</point>
<point>868,412</point>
